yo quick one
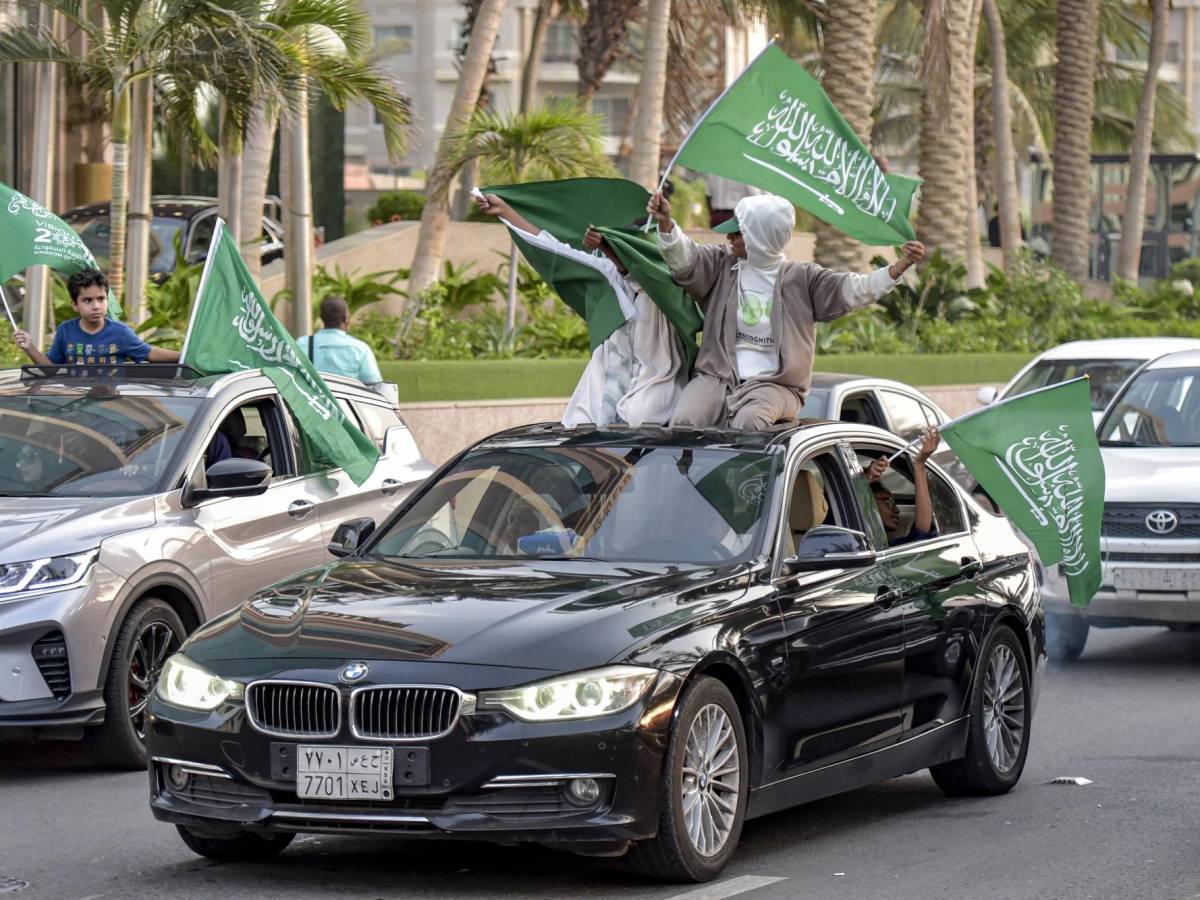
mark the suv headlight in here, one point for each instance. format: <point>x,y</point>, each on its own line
<point>49,572</point>
<point>184,683</point>
<point>585,695</point>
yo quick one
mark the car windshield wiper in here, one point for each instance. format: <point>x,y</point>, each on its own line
<point>1122,444</point>
<point>25,494</point>
<point>566,558</point>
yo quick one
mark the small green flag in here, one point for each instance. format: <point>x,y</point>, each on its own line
<point>31,235</point>
<point>736,488</point>
<point>565,209</point>
<point>1036,455</point>
<point>776,129</point>
<point>232,328</point>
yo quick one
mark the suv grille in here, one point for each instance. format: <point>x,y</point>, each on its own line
<point>404,713</point>
<point>50,654</point>
<point>1129,520</point>
<point>289,709</point>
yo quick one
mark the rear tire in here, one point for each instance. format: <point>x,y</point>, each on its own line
<point>245,847</point>
<point>1001,715</point>
<point>1066,636</point>
<point>150,633</point>
<point>706,767</point>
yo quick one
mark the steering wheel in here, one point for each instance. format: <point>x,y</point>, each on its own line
<point>670,548</point>
<point>1156,425</point>
<point>428,541</point>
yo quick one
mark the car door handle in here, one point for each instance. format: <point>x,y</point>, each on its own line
<point>886,597</point>
<point>298,509</point>
<point>390,486</point>
<point>969,567</point>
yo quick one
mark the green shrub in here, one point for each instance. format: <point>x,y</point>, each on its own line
<point>396,206</point>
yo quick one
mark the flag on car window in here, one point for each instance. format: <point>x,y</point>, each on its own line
<point>232,328</point>
<point>775,128</point>
<point>31,235</point>
<point>1036,455</point>
<point>565,209</point>
<point>736,489</point>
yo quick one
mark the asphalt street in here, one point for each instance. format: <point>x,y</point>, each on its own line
<point>1126,716</point>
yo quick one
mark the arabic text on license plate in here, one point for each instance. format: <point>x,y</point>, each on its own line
<point>344,773</point>
<point>1156,580</point>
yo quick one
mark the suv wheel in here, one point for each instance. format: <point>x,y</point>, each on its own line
<point>243,847</point>
<point>704,789</point>
<point>150,633</point>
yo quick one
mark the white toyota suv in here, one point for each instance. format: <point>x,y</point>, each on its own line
<point>1150,538</point>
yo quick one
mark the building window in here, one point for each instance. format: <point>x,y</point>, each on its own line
<point>394,40</point>
<point>1172,54</point>
<point>562,45</point>
<point>615,111</point>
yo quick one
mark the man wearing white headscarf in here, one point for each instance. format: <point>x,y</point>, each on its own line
<point>760,312</point>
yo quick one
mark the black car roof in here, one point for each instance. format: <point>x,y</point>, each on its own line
<point>163,206</point>
<point>557,435</point>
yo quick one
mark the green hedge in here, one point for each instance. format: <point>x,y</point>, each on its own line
<point>502,379</point>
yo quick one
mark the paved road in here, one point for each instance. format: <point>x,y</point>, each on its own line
<point>1127,716</point>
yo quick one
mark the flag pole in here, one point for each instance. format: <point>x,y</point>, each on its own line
<point>208,261</point>
<point>7,311</point>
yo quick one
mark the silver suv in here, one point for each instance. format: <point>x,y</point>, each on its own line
<point>138,504</point>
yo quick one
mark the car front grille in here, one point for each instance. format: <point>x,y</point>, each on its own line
<point>294,709</point>
<point>1128,520</point>
<point>50,654</point>
<point>521,804</point>
<point>401,713</point>
<point>219,793</point>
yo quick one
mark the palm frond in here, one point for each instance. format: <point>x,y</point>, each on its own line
<point>343,79</point>
<point>27,44</point>
<point>347,19</point>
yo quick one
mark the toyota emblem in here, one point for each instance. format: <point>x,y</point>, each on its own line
<point>1162,521</point>
<point>355,671</point>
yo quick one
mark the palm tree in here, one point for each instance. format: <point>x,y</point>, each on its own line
<point>556,140</point>
<point>647,133</point>
<point>134,41</point>
<point>1129,258</point>
<point>1007,198</point>
<point>543,16</point>
<point>972,241</point>
<point>435,217</point>
<point>848,64</point>
<point>601,39</point>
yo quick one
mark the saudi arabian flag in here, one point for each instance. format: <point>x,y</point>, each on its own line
<point>1036,455</point>
<point>31,235</point>
<point>232,328</point>
<point>776,129</point>
<point>565,209</point>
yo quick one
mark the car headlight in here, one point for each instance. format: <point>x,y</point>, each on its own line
<point>184,683</point>
<point>48,572</point>
<point>585,695</point>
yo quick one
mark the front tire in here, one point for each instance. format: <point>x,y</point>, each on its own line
<point>150,633</point>
<point>244,847</point>
<point>1066,636</point>
<point>704,789</point>
<point>1001,715</point>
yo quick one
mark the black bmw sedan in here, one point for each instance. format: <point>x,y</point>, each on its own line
<point>621,641</point>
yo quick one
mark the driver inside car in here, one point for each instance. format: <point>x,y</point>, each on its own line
<point>923,527</point>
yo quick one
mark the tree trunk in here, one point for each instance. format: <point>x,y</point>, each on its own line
<point>1007,196</point>
<point>600,39</point>
<point>647,130</point>
<point>1129,261</point>
<point>435,217</point>
<point>849,77</point>
<point>974,246</point>
<point>297,221</point>
<point>141,147</point>
<point>120,180</point>
<point>510,306</point>
<point>256,169</point>
<point>229,175</point>
<point>45,140</point>
<point>1074,101</point>
<point>943,128</point>
<point>533,62</point>
<point>468,177</point>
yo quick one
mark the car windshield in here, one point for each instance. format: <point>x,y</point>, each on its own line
<point>99,444</point>
<point>1160,408</point>
<point>96,234</point>
<point>616,504</point>
<point>1106,377</point>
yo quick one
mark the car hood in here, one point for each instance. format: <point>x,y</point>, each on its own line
<point>34,527</point>
<point>557,616</point>
<point>1151,474</point>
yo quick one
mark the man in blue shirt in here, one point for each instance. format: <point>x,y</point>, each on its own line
<point>92,339</point>
<point>923,527</point>
<point>332,350</point>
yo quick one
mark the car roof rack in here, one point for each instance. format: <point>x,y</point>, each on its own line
<point>116,372</point>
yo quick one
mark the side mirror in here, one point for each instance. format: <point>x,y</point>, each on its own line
<point>232,478</point>
<point>986,394</point>
<point>350,535</point>
<point>398,443</point>
<point>830,547</point>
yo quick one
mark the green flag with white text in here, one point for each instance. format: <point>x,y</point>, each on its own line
<point>232,328</point>
<point>775,128</point>
<point>31,235</point>
<point>1037,456</point>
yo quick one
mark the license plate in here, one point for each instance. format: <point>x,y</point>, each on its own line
<point>344,773</point>
<point>1156,580</point>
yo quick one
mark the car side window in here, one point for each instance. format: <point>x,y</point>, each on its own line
<point>862,408</point>
<point>251,431</point>
<point>893,500</point>
<point>200,237</point>
<point>813,500</point>
<point>932,416</point>
<point>947,511</point>
<point>907,414</point>
<point>377,420</point>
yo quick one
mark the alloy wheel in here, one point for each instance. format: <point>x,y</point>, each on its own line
<point>1004,708</point>
<point>154,643</point>
<point>711,774</point>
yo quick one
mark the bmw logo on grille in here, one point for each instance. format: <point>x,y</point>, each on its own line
<point>355,671</point>
<point>1162,521</point>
